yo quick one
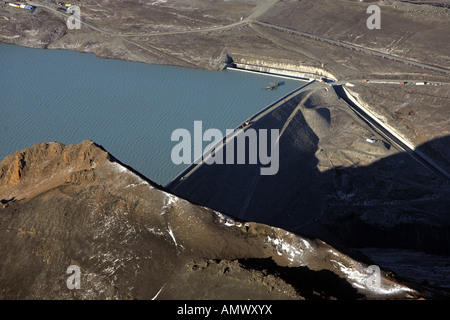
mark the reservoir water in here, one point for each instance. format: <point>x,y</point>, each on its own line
<point>129,108</point>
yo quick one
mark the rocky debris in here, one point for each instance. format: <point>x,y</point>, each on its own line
<point>57,33</point>
<point>133,240</point>
<point>203,279</point>
<point>57,163</point>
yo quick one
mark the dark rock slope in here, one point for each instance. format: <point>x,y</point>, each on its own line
<point>338,180</point>
<point>78,205</point>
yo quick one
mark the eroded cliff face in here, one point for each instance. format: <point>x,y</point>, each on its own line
<point>78,205</point>
<point>22,173</point>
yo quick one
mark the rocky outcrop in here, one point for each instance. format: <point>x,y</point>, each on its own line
<point>45,164</point>
<point>78,206</point>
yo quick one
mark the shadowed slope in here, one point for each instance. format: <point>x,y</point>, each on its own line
<point>133,240</point>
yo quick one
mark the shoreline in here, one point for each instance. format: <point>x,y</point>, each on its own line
<point>227,66</point>
<point>239,117</point>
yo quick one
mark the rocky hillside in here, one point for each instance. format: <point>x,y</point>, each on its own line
<point>79,206</point>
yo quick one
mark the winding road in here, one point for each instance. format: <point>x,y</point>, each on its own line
<point>259,10</point>
<point>357,48</point>
<point>262,8</point>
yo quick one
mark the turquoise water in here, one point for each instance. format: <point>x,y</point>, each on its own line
<point>129,108</point>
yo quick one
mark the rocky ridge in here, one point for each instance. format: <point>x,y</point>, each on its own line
<point>131,239</point>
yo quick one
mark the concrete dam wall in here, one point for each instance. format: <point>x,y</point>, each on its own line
<point>281,68</point>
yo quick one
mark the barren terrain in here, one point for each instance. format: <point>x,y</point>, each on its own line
<point>340,181</point>
<point>327,36</point>
<point>131,239</point>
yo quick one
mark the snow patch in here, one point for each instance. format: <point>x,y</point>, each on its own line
<point>132,185</point>
<point>156,231</point>
<point>169,200</point>
<point>157,2</point>
<point>171,235</point>
<point>227,221</point>
<point>307,245</point>
<point>359,276</point>
<point>119,168</point>
<point>292,252</point>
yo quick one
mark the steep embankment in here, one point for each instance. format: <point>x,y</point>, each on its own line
<point>337,180</point>
<point>420,114</point>
<point>77,205</point>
